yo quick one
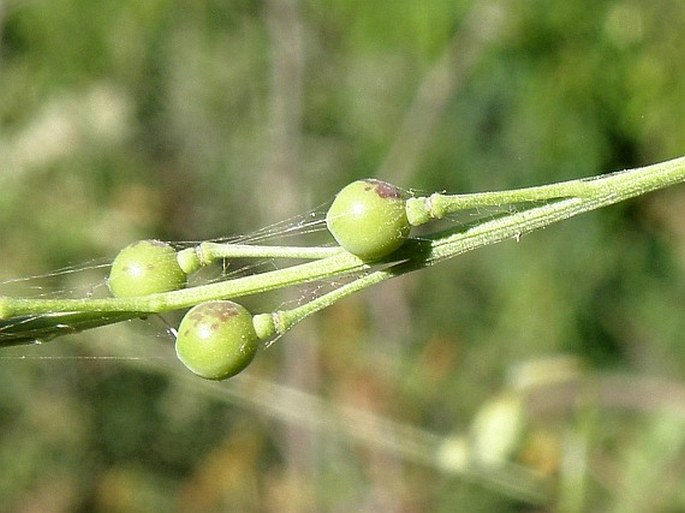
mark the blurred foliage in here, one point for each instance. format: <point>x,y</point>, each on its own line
<point>186,120</point>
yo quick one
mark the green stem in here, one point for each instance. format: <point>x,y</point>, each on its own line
<point>341,263</point>
<point>36,329</point>
<point>192,259</point>
<point>213,251</point>
<point>420,210</point>
<point>275,324</point>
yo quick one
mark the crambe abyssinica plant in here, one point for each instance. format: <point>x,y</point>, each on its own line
<point>370,219</point>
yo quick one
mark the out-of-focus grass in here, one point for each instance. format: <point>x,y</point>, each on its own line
<point>186,120</point>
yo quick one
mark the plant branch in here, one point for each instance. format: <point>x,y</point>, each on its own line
<point>578,196</point>
<point>540,207</point>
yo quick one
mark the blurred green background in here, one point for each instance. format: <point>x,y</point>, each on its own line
<point>185,120</point>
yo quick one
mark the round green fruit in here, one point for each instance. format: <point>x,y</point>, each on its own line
<point>368,218</point>
<point>216,340</point>
<point>145,267</point>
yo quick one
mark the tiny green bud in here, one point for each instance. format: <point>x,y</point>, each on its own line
<point>368,218</point>
<point>145,267</point>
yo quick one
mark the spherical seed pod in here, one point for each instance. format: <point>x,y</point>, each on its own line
<point>216,340</point>
<point>368,219</point>
<point>145,267</point>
